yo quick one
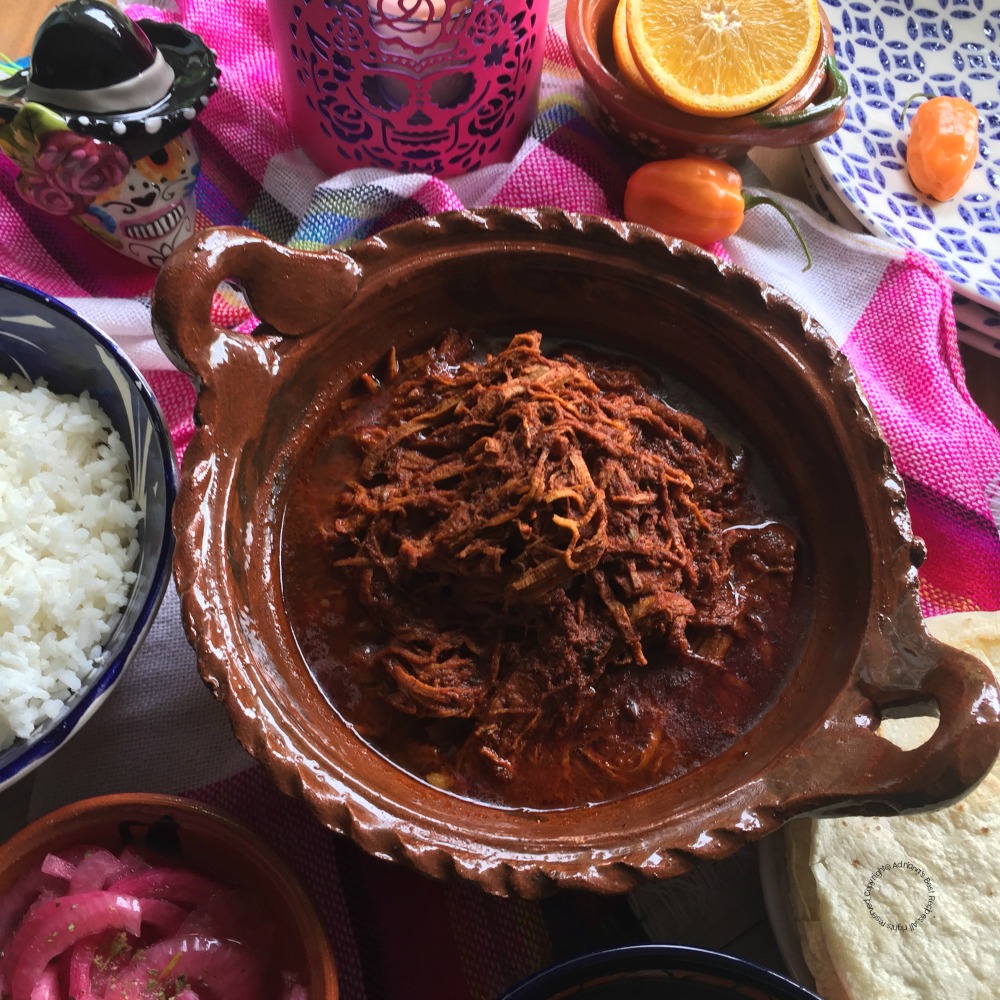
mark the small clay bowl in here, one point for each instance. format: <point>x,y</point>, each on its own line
<point>810,111</point>
<point>171,829</point>
<point>327,318</point>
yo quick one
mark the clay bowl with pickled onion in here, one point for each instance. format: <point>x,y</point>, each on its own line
<point>541,550</point>
<point>113,895</point>
<point>811,110</point>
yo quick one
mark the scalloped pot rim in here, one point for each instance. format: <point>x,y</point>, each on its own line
<point>773,370</point>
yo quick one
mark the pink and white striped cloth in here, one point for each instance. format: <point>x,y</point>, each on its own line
<point>889,310</point>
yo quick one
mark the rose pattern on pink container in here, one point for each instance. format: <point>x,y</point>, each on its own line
<point>431,86</point>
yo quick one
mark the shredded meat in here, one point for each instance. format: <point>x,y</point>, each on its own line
<point>521,526</point>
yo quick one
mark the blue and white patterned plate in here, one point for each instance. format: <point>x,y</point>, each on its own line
<point>888,51</point>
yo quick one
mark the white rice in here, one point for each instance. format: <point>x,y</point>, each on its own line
<point>67,545</point>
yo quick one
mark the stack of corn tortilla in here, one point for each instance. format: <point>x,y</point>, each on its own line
<point>906,907</point>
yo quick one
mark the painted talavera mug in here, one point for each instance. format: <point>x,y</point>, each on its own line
<point>106,141</point>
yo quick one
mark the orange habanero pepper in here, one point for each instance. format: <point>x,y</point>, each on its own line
<point>941,150</point>
<point>694,198</point>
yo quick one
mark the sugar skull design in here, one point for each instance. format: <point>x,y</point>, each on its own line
<point>153,208</point>
<point>98,124</point>
<point>142,209</point>
<point>435,86</point>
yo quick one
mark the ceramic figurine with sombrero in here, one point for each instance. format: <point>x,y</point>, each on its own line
<point>98,123</point>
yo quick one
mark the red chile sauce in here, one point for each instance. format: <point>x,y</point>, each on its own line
<point>596,734</point>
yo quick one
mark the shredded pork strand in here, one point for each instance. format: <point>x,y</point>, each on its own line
<point>521,525</point>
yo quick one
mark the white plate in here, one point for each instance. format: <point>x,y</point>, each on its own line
<point>889,51</point>
<point>825,198</point>
<point>776,889</point>
<point>977,325</point>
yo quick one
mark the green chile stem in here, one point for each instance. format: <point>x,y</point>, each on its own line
<point>749,200</point>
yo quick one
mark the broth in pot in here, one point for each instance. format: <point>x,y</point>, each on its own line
<point>529,579</point>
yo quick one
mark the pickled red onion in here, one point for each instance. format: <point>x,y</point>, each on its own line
<point>228,970</point>
<point>87,925</point>
<point>95,871</point>
<point>179,885</point>
<point>53,925</point>
<point>58,867</point>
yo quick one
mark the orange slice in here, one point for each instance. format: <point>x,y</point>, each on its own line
<point>722,57</point>
<point>627,68</point>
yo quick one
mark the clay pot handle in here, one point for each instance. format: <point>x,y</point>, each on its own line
<point>960,752</point>
<point>294,292</point>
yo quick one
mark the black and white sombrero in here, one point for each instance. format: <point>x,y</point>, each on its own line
<point>136,83</point>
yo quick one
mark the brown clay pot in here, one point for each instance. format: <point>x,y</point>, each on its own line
<point>198,836</point>
<point>328,317</point>
<point>813,109</point>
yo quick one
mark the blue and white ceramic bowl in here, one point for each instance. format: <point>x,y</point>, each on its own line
<point>658,972</point>
<point>42,338</point>
<point>890,50</point>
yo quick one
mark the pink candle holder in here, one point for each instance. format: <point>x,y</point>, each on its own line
<point>430,86</point>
